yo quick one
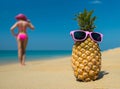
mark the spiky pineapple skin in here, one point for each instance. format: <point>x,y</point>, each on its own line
<point>86,60</point>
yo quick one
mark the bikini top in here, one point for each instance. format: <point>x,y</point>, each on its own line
<point>21,27</point>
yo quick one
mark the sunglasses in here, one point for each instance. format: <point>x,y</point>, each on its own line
<point>79,35</point>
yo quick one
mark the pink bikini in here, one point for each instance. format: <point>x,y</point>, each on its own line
<point>22,36</point>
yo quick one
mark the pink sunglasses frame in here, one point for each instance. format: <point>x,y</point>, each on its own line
<point>87,33</point>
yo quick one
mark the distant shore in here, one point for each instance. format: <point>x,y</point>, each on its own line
<point>11,56</point>
<point>57,73</point>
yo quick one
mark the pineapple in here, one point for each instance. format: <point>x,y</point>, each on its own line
<point>86,55</point>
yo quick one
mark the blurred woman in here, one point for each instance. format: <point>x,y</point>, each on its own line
<point>22,38</point>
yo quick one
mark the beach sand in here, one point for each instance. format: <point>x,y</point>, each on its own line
<point>58,74</point>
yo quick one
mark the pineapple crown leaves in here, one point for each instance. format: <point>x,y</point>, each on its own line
<point>86,21</point>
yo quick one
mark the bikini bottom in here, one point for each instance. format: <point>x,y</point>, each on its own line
<point>22,36</point>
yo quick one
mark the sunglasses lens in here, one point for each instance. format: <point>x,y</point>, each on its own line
<point>79,35</point>
<point>96,36</point>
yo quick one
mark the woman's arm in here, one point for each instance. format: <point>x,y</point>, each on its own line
<point>13,28</point>
<point>30,25</point>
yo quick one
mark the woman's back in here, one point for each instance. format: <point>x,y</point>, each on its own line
<point>22,26</point>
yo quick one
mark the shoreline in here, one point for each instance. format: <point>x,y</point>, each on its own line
<point>29,59</point>
<point>7,57</point>
<point>46,58</point>
<point>36,60</point>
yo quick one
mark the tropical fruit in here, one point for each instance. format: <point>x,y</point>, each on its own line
<point>86,55</point>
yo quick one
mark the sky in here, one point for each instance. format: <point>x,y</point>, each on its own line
<point>54,19</point>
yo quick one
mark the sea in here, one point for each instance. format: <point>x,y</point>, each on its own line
<point>11,56</point>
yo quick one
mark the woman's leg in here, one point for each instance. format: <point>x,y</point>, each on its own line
<point>20,51</point>
<point>24,50</point>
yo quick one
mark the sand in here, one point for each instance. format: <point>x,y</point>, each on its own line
<point>58,74</point>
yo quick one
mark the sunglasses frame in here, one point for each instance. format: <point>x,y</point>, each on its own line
<point>87,33</point>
